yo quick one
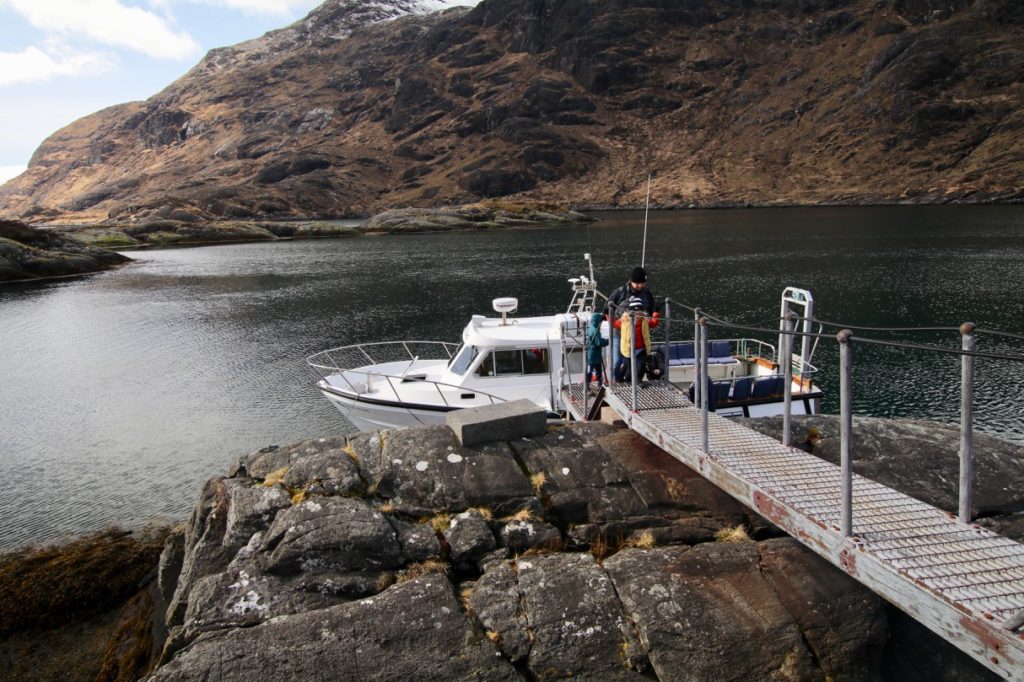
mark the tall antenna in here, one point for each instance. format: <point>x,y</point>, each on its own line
<point>643,253</point>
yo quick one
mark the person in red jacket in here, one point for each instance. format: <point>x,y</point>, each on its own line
<point>635,339</point>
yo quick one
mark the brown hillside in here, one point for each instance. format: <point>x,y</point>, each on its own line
<point>759,102</point>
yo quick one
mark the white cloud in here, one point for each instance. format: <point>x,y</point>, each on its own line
<point>8,172</point>
<point>272,7</point>
<point>108,22</point>
<point>32,64</point>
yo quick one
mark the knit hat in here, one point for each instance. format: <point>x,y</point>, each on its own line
<point>635,303</point>
<point>639,275</point>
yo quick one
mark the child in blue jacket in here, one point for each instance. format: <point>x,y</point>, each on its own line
<point>595,342</point>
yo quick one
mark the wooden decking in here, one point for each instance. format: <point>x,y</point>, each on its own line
<point>961,581</point>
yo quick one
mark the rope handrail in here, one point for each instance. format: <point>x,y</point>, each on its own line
<point>841,325</point>
<point>714,322</point>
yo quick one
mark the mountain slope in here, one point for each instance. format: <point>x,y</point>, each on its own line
<point>764,102</point>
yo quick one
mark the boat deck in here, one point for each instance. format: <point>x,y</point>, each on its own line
<point>962,581</point>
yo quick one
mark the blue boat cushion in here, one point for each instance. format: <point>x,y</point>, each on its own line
<point>741,389</point>
<point>720,349</point>
<point>766,386</point>
<point>680,354</point>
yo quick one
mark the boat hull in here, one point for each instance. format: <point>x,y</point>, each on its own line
<point>367,416</point>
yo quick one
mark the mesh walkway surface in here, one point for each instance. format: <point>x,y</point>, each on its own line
<point>962,581</point>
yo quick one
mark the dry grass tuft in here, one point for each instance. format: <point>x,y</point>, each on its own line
<point>484,512</point>
<point>440,522</point>
<point>494,636</point>
<point>600,547</point>
<point>644,540</point>
<point>523,515</point>
<point>737,534</point>
<point>385,580</point>
<point>464,596</point>
<point>298,495</point>
<point>351,452</point>
<point>537,481</point>
<point>387,508</point>
<point>275,477</point>
<point>423,568</point>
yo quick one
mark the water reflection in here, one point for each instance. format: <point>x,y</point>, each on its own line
<point>122,392</point>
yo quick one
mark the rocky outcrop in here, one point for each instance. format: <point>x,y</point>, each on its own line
<point>584,552</point>
<point>760,103</point>
<point>28,253</point>
<point>480,216</point>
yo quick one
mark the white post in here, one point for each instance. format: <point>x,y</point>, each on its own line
<point>966,423</point>
<point>703,380</point>
<point>845,431</point>
<point>632,354</point>
<point>787,391</point>
<point>697,388</point>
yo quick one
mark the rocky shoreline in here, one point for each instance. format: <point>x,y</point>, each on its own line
<point>172,231</point>
<point>585,551</point>
<point>32,253</point>
<point>27,253</point>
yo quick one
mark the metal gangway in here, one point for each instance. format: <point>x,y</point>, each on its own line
<point>960,580</point>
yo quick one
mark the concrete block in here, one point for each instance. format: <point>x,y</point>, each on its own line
<point>502,421</point>
<point>610,416</point>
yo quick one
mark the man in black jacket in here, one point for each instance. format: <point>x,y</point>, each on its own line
<point>618,303</point>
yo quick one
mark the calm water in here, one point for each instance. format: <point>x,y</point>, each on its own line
<point>122,392</point>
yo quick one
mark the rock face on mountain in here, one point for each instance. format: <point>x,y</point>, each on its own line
<point>585,552</point>
<point>768,102</point>
<point>28,253</point>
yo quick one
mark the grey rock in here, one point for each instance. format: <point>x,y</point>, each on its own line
<point>520,536</point>
<point>431,640</point>
<point>418,541</point>
<point>426,471</point>
<point>575,617</point>
<point>496,601</point>
<point>843,623</point>
<point>171,559</point>
<point>368,449</point>
<point>502,421</point>
<point>325,471</point>
<point>262,463</point>
<point>330,534</point>
<point>251,508</point>
<point>205,552</point>
<point>245,597</point>
<point>708,613</point>
<point>469,538</point>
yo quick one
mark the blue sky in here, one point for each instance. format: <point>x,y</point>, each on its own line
<point>63,59</point>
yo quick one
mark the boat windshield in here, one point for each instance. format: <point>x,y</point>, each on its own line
<point>463,359</point>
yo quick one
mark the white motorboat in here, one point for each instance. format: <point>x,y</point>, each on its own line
<point>394,384</point>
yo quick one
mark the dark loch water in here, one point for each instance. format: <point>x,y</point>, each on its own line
<point>120,393</point>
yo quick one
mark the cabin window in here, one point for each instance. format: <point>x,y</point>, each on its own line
<point>520,361</point>
<point>464,359</point>
<point>535,361</point>
<point>508,362</point>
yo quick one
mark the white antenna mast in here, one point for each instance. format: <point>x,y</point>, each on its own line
<point>643,253</point>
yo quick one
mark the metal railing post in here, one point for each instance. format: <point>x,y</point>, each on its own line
<point>632,354</point>
<point>586,367</point>
<point>697,388</point>
<point>845,431</point>
<point>787,391</point>
<point>668,335</point>
<point>966,423</point>
<point>703,383</point>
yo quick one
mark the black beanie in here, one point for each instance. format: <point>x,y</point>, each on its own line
<point>639,275</point>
